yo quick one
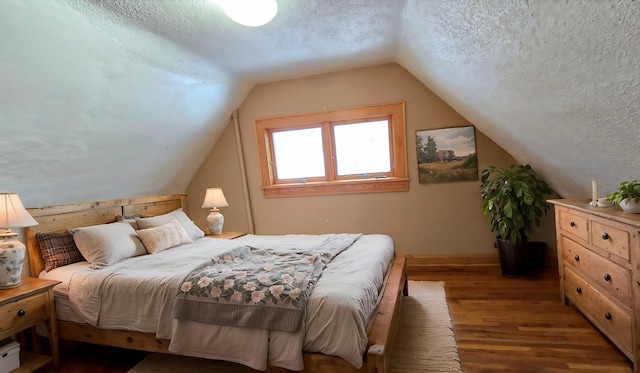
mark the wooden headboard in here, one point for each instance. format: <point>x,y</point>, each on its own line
<point>60,218</point>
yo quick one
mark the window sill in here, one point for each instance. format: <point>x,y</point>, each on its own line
<point>390,184</point>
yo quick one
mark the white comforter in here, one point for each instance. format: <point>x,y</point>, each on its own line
<point>138,294</point>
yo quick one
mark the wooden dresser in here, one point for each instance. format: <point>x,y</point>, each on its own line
<point>599,265</point>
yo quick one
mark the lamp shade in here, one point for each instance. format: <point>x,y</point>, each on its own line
<point>13,213</point>
<point>214,198</point>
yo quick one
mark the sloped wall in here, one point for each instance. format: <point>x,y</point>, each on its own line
<point>429,218</point>
<point>92,109</point>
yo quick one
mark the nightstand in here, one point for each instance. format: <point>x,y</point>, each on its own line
<point>23,307</point>
<point>226,235</point>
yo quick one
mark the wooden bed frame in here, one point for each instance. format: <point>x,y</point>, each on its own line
<point>381,330</point>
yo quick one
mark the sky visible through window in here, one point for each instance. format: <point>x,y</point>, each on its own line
<point>360,148</point>
<point>298,153</point>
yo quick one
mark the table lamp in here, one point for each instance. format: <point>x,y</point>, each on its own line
<point>213,199</point>
<point>12,251</point>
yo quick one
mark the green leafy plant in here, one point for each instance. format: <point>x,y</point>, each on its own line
<point>514,200</point>
<point>627,191</point>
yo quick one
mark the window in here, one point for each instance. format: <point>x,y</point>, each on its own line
<point>356,150</point>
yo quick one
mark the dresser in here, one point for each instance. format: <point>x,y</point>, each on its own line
<point>599,265</point>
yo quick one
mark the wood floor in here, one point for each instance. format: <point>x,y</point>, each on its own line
<point>519,325</point>
<point>501,325</point>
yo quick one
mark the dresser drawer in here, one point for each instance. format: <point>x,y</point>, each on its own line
<point>576,288</point>
<point>613,320</point>
<point>616,280</point>
<point>24,311</point>
<point>614,240</point>
<point>574,224</point>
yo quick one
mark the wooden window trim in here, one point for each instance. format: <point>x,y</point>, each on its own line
<point>396,180</point>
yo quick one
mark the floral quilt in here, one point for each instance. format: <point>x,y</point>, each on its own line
<point>256,287</point>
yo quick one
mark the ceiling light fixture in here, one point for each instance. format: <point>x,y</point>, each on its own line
<point>252,13</point>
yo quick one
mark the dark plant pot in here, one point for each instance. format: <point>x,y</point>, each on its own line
<point>537,255</point>
<point>513,258</point>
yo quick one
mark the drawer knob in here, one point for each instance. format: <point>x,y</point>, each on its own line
<point>577,258</point>
<point>573,224</point>
<point>605,236</point>
<point>607,316</point>
<point>579,290</point>
<point>21,313</point>
<point>607,277</point>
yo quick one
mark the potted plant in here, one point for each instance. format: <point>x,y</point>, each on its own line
<point>514,202</point>
<point>627,196</point>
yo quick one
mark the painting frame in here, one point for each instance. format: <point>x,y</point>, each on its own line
<point>456,161</point>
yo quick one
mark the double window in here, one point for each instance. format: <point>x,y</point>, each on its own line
<point>354,150</point>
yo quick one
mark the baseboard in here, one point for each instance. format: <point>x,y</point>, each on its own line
<point>440,260</point>
<point>422,261</point>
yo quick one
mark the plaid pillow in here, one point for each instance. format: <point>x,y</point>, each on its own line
<point>58,249</point>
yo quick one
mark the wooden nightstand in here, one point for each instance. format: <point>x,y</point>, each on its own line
<point>23,307</point>
<point>226,235</point>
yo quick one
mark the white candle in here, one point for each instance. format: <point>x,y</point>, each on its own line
<point>595,193</point>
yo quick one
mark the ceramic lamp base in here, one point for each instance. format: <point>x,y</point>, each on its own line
<point>12,255</point>
<point>215,220</point>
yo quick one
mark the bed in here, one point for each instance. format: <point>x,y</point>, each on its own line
<point>380,328</point>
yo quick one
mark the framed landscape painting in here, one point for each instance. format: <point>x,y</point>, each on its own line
<point>447,155</point>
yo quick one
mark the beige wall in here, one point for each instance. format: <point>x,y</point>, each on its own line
<point>429,218</point>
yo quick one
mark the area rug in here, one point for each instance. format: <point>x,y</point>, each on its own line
<point>424,342</point>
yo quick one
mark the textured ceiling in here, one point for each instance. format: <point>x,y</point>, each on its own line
<point>142,89</point>
<point>306,37</point>
<point>556,83</point>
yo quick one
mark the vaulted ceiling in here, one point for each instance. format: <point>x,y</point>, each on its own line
<point>102,99</point>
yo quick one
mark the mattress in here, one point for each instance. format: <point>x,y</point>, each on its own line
<point>138,293</point>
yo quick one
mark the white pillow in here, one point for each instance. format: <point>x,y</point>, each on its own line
<point>105,244</point>
<point>192,230</point>
<point>163,237</point>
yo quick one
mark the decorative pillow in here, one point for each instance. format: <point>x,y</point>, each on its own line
<point>105,244</point>
<point>164,237</point>
<point>58,249</point>
<point>192,230</point>
<point>131,219</point>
